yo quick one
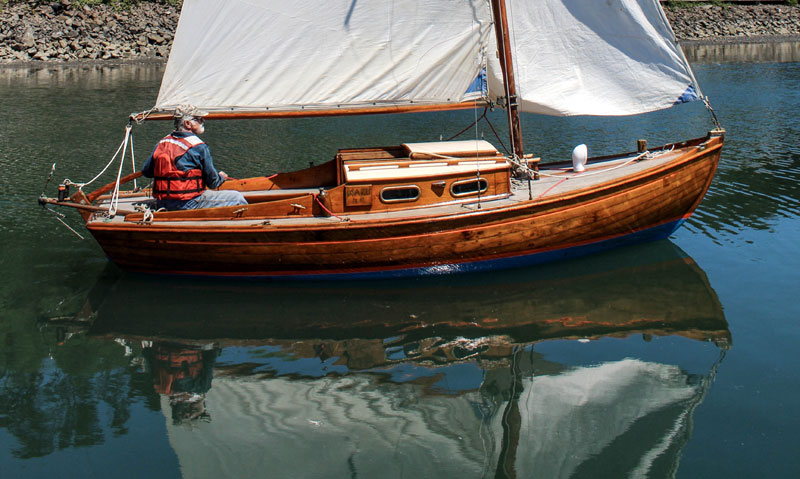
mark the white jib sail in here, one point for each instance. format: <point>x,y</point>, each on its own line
<point>594,57</point>
<point>288,55</point>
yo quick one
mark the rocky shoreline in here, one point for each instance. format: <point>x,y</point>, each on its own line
<point>65,32</point>
<point>735,23</point>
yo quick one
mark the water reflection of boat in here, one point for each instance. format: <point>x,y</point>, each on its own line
<point>661,291</point>
<point>375,390</point>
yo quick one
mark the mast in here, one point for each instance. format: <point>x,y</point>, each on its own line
<point>506,65</point>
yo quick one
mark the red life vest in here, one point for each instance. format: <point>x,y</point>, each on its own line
<point>170,183</point>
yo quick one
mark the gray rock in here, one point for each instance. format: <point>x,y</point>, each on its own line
<point>155,38</point>
<point>28,38</point>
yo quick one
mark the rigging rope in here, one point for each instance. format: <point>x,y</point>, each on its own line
<point>714,119</point>
<point>147,213</point>
<point>316,198</point>
<point>475,123</point>
<point>112,207</point>
<point>483,117</point>
<point>140,117</point>
<point>124,148</point>
<point>498,137</point>
<point>648,154</point>
<point>477,155</point>
<point>133,163</point>
<point>124,141</point>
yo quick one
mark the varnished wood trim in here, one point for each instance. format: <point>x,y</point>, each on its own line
<point>372,110</point>
<point>78,206</point>
<point>105,189</point>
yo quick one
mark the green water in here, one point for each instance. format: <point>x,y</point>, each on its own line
<point>675,358</point>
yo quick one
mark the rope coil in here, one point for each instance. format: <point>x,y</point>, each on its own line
<point>147,214</point>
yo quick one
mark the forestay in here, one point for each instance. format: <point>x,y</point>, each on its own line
<point>594,57</point>
<point>279,55</point>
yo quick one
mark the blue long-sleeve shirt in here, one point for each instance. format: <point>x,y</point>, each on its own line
<point>196,157</point>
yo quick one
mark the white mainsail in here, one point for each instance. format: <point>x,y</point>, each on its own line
<point>594,57</point>
<point>278,55</point>
<point>571,57</point>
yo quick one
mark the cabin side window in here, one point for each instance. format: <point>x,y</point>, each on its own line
<point>472,186</point>
<point>400,194</point>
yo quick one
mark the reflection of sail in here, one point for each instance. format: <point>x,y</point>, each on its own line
<point>588,410</point>
<point>438,378</point>
<point>328,428</point>
<point>330,425</point>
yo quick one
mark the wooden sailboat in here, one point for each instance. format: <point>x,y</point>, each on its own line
<point>420,207</point>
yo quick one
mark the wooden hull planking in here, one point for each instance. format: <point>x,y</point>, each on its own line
<point>645,206</point>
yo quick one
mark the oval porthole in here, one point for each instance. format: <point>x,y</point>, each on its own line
<point>399,194</point>
<point>469,187</point>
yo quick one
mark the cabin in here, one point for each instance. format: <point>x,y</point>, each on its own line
<point>370,180</point>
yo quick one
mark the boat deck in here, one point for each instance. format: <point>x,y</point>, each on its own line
<point>555,180</point>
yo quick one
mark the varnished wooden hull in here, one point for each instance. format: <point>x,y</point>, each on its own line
<point>647,205</point>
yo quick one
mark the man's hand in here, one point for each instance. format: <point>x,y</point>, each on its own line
<point>223,175</point>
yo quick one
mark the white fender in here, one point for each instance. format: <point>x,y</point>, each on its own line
<point>579,155</point>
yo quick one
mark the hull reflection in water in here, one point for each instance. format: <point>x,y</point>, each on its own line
<point>432,379</point>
